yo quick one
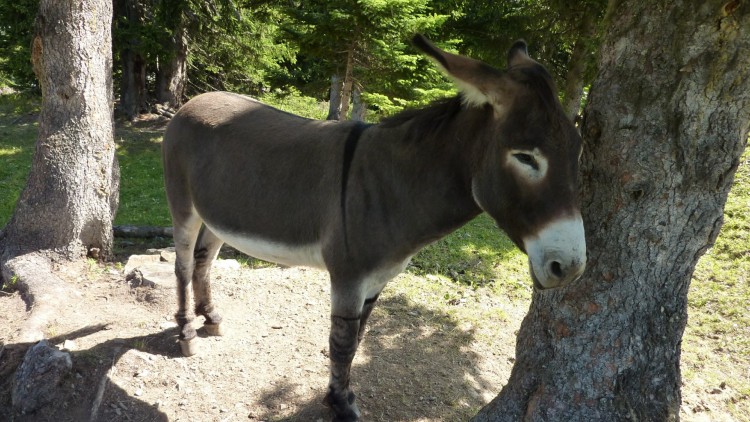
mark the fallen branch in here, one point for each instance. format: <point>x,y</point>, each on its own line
<point>164,110</point>
<point>142,232</point>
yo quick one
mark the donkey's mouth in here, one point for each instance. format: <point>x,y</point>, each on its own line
<point>537,284</point>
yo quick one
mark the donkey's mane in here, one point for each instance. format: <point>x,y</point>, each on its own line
<point>426,120</point>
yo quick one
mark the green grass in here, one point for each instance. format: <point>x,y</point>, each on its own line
<point>716,344</point>
<point>18,130</point>
<point>477,255</point>
<point>297,104</point>
<point>142,198</point>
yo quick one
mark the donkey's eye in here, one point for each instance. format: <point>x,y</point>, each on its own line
<point>527,159</point>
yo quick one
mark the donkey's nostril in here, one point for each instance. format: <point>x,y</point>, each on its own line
<point>556,269</point>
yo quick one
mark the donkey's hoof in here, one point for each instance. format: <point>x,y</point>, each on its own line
<point>213,329</point>
<point>188,347</point>
<point>344,408</point>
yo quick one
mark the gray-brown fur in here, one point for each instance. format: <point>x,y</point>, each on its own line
<point>366,198</point>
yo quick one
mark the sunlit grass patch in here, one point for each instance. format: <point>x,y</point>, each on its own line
<point>477,255</point>
<point>142,198</point>
<point>18,132</point>
<point>716,344</point>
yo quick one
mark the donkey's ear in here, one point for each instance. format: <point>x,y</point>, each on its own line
<point>479,82</point>
<point>518,55</point>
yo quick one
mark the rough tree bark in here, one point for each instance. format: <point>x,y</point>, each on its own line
<point>67,207</point>
<point>667,120</point>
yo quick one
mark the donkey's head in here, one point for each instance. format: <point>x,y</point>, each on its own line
<point>526,164</point>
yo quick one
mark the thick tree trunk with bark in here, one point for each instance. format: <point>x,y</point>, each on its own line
<point>68,204</point>
<point>667,120</point>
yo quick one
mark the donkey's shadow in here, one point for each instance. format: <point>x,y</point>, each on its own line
<point>412,370</point>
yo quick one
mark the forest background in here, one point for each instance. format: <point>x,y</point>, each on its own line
<point>321,50</point>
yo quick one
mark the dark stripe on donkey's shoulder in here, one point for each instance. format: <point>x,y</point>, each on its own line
<point>350,147</point>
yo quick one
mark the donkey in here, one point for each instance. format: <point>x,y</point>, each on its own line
<point>360,200</point>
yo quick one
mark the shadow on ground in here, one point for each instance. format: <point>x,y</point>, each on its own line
<point>412,366</point>
<point>89,381</point>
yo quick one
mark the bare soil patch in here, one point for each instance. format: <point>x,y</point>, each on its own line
<point>271,364</point>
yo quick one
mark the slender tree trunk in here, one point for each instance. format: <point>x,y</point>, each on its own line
<point>334,104</point>
<point>68,204</point>
<point>346,91</point>
<point>575,78</point>
<point>133,84</point>
<point>359,107</point>
<point>171,76</point>
<point>133,80</point>
<point>667,120</point>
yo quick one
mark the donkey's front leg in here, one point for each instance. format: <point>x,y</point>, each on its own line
<point>342,345</point>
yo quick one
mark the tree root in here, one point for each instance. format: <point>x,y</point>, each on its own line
<point>44,292</point>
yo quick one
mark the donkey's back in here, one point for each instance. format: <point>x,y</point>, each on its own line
<point>222,145</point>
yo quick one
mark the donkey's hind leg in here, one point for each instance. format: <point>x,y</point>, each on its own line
<point>366,311</point>
<point>185,235</point>
<point>206,250</point>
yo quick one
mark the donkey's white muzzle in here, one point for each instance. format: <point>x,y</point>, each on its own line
<point>557,253</point>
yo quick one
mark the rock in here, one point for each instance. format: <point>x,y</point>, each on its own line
<point>136,261</point>
<point>227,264</point>
<point>166,255</point>
<point>37,379</point>
<point>69,346</point>
<point>160,275</point>
<point>150,271</point>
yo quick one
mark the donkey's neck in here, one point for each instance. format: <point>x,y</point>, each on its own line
<point>417,190</point>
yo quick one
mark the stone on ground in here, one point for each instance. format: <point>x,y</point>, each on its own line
<point>37,380</point>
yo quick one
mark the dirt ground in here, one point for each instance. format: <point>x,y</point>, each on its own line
<point>270,365</point>
<point>415,364</point>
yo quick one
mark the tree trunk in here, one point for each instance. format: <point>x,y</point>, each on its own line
<point>133,80</point>
<point>172,73</point>
<point>574,79</point>
<point>346,91</point>
<point>68,204</point>
<point>359,107</point>
<point>666,123</point>
<point>133,83</point>
<point>334,103</point>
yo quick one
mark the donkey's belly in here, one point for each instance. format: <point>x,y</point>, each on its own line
<point>309,255</point>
